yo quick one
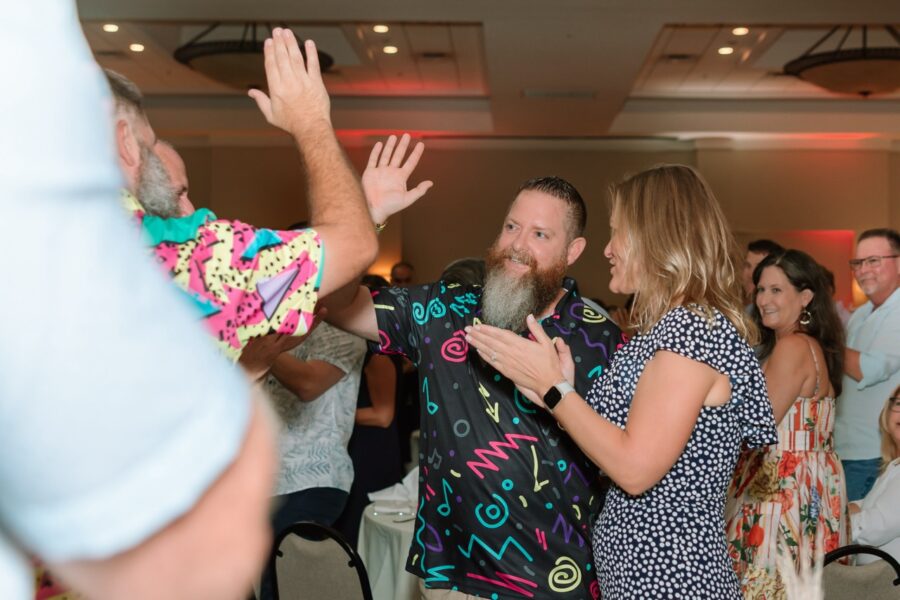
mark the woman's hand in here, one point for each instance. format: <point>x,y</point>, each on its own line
<point>533,366</point>
<point>566,363</point>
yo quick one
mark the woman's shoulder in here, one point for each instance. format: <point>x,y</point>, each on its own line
<point>694,319</point>
<point>794,343</point>
<point>796,348</point>
<point>684,316</point>
<point>698,330</point>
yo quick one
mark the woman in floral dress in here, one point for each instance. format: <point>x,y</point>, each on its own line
<point>791,497</point>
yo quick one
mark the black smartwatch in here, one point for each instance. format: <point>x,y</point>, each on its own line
<point>556,393</point>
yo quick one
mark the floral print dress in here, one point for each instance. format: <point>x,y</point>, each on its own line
<point>787,497</point>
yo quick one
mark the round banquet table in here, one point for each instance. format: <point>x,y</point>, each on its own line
<point>384,540</point>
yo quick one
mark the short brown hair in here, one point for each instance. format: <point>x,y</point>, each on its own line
<point>565,191</point>
<point>890,235</point>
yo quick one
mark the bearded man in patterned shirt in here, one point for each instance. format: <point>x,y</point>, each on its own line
<point>506,498</point>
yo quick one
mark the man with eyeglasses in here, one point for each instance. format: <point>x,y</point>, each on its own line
<point>871,358</point>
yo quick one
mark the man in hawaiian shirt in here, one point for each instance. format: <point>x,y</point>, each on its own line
<point>505,497</point>
<point>250,282</point>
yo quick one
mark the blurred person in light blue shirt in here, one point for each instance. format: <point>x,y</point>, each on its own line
<point>127,442</point>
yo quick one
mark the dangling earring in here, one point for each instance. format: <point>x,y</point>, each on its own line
<point>805,317</point>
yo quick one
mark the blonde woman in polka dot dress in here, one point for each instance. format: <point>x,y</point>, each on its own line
<point>668,420</point>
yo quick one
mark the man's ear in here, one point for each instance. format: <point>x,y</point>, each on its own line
<point>127,145</point>
<point>576,247</point>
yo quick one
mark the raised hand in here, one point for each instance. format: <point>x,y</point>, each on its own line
<point>385,179</point>
<point>297,99</point>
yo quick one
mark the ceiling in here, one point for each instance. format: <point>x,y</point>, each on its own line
<point>520,69</point>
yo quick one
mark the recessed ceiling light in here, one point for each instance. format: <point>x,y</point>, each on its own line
<point>380,28</point>
<point>110,27</point>
<point>740,31</point>
<point>725,50</point>
<point>390,50</point>
<point>136,47</point>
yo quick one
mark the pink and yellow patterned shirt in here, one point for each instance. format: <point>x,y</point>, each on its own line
<point>246,282</point>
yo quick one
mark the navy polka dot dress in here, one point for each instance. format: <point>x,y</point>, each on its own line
<point>669,542</point>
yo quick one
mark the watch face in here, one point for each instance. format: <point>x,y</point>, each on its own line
<point>552,398</point>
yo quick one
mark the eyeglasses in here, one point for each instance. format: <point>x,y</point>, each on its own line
<point>895,403</point>
<point>873,262</point>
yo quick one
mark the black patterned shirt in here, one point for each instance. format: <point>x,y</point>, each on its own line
<point>506,498</point>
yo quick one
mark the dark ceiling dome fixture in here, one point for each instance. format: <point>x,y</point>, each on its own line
<point>862,71</point>
<point>237,63</point>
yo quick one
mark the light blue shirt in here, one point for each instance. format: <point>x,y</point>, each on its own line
<point>116,411</point>
<point>875,333</point>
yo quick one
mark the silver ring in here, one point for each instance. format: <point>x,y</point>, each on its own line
<point>493,357</point>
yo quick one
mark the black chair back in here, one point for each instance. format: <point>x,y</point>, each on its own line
<point>310,560</point>
<point>872,581</point>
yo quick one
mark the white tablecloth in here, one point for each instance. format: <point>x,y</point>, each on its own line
<point>383,546</point>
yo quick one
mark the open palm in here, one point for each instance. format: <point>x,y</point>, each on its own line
<point>385,179</point>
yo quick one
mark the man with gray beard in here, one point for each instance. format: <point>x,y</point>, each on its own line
<point>505,496</point>
<point>155,186</point>
<point>178,179</point>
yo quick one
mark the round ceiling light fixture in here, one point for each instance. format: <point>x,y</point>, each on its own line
<point>236,62</point>
<point>861,71</point>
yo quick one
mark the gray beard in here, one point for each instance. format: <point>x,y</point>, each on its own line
<point>155,191</point>
<point>507,300</point>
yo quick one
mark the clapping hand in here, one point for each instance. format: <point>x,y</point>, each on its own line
<point>385,179</point>
<point>534,366</point>
<point>297,99</point>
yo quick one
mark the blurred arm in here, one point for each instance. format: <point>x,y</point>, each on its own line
<point>307,379</point>
<point>298,103</point>
<point>381,378</point>
<point>194,557</point>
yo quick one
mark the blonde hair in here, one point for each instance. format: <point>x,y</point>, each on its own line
<point>889,449</point>
<point>679,248</point>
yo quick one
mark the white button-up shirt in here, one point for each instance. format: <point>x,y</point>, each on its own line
<point>878,521</point>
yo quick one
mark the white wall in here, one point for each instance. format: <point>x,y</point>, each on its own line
<point>765,193</point>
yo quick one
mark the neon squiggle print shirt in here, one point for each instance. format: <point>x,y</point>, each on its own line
<point>506,499</point>
<point>245,282</point>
